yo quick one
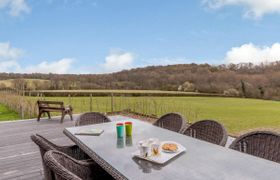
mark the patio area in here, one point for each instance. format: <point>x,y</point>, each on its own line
<point>20,157</point>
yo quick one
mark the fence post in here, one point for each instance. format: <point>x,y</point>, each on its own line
<point>22,103</point>
<point>21,111</point>
<point>69,99</point>
<point>90,103</point>
<point>112,102</point>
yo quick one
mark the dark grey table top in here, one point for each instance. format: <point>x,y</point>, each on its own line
<point>201,160</point>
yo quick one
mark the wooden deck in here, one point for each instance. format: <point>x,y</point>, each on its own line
<point>19,156</point>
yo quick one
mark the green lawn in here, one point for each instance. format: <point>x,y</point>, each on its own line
<point>7,114</point>
<point>236,114</point>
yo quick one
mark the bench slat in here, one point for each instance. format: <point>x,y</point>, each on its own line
<point>50,102</point>
<point>52,109</point>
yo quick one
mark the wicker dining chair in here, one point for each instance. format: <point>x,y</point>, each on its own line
<point>45,145</point>
<point>171,121</point>
<point>262,144</point>
<point>208,130</point>
<point>91,118</point>
<point>65,167</point>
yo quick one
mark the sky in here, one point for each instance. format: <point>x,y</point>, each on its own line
<point>104,36</point>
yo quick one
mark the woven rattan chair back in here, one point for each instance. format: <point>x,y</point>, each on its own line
<point>91,118</point>
<point>65,168</point>
<point>171,121</point>
<point>44,146</point>
<point>208,130</point>
<point>262,144</point>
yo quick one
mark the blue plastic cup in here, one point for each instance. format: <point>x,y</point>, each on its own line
<point>120,130</point>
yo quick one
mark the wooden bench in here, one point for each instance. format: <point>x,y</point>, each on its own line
<point>54,106</point>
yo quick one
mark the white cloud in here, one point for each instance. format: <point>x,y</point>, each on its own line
<point>253,8</point>
<point>16,7</point>
<point>254,54</point>
<point>9,66</point>
<point>58,67</point>
<point>9,57</point>
<point>118,60</point>
<point>8,53</point>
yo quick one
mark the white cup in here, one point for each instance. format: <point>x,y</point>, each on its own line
<point>145,149</point>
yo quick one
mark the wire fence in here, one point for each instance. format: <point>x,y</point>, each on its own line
<point>25,104</point>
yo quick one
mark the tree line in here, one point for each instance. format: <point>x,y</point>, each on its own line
<point>243,80</point>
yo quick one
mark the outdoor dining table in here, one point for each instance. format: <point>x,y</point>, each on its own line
<point>201,160</point>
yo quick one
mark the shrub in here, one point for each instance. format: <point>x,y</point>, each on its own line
<point>231,92</point>
<point>188,87</point>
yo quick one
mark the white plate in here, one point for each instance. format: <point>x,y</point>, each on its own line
<point>164,156</point>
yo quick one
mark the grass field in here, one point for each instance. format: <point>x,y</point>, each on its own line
<point>7,114</point>
<point>238,115</point>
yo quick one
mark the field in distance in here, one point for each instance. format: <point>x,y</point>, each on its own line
<point>101,92</point>
<point>30,83</point>
<point>238,115</point>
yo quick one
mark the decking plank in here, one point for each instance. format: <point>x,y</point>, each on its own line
<point>25,137</point>
<point>30,174</point>
<point>23,148</point>
<point>22,127</point>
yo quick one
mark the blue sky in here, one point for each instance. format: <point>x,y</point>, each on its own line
<point>100,36</point>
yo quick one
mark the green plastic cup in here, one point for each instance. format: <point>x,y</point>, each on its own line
<point>128,129</point>
<point>120,130</point>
